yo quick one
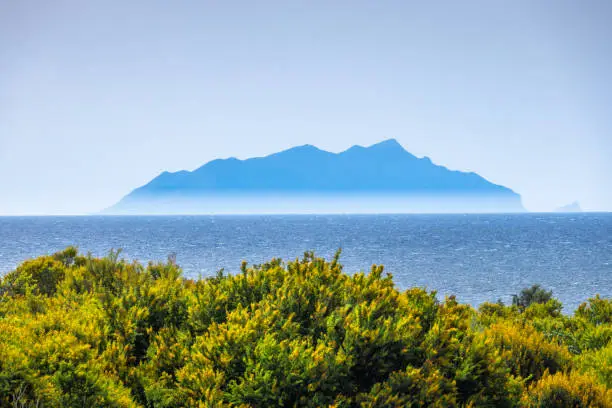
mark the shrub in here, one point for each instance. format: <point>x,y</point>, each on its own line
<point>41,276</point>
<point>597,311</point>
<point>562,391</point>
<point>411,388</point>
<point>598,364</point>
<point>526,352</point>
<point>80,330</point>
<point>528,296</point>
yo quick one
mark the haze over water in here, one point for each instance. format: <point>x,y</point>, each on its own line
<point>476,257</point>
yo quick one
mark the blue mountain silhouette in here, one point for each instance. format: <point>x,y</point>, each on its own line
<point>385,168</point>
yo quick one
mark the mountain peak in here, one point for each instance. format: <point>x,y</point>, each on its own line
<point>386,147</point>
<point>306,148</point>
<point>387,144</point>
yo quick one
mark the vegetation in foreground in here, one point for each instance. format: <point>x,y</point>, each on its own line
<point>80,331</point>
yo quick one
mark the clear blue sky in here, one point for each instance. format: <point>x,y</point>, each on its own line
<point>98,97</point>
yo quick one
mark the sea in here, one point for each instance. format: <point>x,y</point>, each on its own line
<point>477,258</point>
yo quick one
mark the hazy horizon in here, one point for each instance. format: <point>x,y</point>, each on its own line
<point>98,98</point>
<point>314,203</point>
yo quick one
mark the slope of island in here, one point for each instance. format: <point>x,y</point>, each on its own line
<point>380,178</point>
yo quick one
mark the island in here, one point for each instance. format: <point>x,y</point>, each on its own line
<point>382,178</point>
<point>570,208</point>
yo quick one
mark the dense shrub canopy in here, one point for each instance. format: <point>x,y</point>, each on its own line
<point>81,331</point>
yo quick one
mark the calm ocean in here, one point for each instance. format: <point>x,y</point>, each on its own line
<point>477,257</point>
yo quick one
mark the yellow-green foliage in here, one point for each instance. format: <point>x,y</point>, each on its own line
<point>567,390</point>
<point>80,331</point>
<point>599,364</point>
<point>525,351</point>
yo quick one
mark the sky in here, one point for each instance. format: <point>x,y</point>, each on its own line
<point>99,97</point>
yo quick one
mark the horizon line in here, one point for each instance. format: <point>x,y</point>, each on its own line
<point>101,215</point>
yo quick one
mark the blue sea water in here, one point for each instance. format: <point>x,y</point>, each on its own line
<point>476,257</point>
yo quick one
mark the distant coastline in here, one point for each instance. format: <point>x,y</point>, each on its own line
<point>382,178</point>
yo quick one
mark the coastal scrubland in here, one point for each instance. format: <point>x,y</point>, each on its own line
<point>77,331</point>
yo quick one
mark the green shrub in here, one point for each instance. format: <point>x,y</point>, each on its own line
<point>564,391</point>
<point>526,352</point>
<point>40,276</point>
<point>598,364</point>
<point>529,296</point>
<point>597,311</point>
<point>78,330</point>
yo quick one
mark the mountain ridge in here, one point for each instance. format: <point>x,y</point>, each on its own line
<point>384,168</point>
